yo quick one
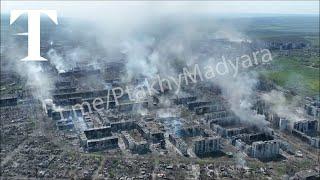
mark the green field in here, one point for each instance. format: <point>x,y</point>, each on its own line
<point>291,73</point>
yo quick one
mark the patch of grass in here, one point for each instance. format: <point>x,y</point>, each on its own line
<point>111,174</point>
<point>281,169</point>
<point>304,164</point>
<point>291,73</point>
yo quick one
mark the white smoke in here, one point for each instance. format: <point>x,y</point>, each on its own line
<point>138,62</point>
<point>32,74</point>
<point>282,107</point>
<point>240,94</point>
<point>38,80</point>
<point>168,112</point>
<point>150,56</point>
<point>57,61</point>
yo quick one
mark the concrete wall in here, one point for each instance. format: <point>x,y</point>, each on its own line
<point>205,146</point>
<point>179,143</point>
<point>102,144</point>
<point>265,149</point>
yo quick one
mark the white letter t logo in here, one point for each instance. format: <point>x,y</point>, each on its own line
<point>33,30</point>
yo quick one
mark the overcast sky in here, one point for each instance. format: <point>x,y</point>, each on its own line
<point>87,8</point>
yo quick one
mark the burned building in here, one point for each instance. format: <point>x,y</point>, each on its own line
<point>284,124</point>
<point>130,106</point>
<point>258,145</point>
<point>196,104</point>
<point>228,126</point>
<point>151,131</point>
<point>307,130</point>
<point>134,141</point>
<point>190,131</point>
<point>306,126</point>
<point>312,107</point>
<point>265,149</point>
<point>99,138</point>
<point>94,133</point>
<point>100,143</point>
<point>183,99</point>
<point>206,145</point>
<point>179,144</point>
<point>123,126</point>
<point>64,124</point>
<point>187,136</point>
<point>254,137</point>
<point>8,101</point>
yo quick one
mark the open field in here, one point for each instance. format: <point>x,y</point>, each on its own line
<point>290,73</point>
